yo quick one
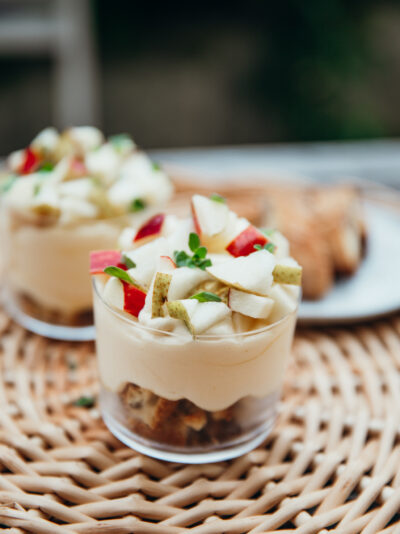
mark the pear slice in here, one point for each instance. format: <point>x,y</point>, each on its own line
<point>250,305</point>
<point>284,303</point>
<point>287,274</point>
<point>252,273</point>
<point>113,293</point>
<point>198,316</point>
<point>179,310</point>
<point>209,217</point>
<point>160,294</point>
<point>184,281</point>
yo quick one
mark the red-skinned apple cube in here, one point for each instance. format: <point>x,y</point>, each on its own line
<point>78,168</point>
<point>31,161</point>
<point>243,244</point>
<point>195,220</point>
<point>100,259</point>
<point>134,299</point>
<point>168,261</point>
<point>150,228</point>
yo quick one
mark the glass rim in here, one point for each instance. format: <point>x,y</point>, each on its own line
<point>126,318</point>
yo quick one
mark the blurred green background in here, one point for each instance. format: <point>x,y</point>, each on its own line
<point>178,74</point>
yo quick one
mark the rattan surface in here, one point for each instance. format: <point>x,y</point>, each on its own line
<point>331,462</point>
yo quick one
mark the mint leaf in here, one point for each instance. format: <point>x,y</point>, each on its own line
<point>36,189</point>
<point>128,262</point>
<point>46,167</point>
<point>201,252</point>
<point>119,273</point>
<point>122,142</point>
<point>194,242</point>
<point>182,259</point>
<point>85,402</point>
<point>8,183</point>
<point>137,205</point>
<point>267,231</point>
<point>203,264</point>
<point>156,166</point>
<point>206,296</point>
<point>268,246</point>
<point>218,198</point>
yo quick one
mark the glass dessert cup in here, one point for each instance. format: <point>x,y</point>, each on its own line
<point>47,287</point>
<point>184,399</point>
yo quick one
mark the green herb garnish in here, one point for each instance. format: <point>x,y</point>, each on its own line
<point>156,166</point>
<point>122,142</point>
<point>85,402</point>
<point>218,198</point>
<point>182,258</point>
<point>46,167</point>
<point>36,189</point>
<point>268,246</point>
<point>137,205</point>
<point>112,270</point>
<point>128,262</point>
<point>194,242</point>
<point>8,183</point>
<point>268,231</point>
<point>206,296</point>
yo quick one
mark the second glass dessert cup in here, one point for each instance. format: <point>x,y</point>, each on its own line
<point>184,399</point>
<point>47,287</point>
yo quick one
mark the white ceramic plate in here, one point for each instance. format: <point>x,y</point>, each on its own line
<point>375,289</point>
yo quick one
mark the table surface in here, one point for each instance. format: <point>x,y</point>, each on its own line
<point>331,461</point>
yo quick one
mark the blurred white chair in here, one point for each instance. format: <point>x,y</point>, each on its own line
<point>61,30</point>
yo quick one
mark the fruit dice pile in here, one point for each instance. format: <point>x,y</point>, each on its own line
<point>213,273</point>
<point>78,174</point>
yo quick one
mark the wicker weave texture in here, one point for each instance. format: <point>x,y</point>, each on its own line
<point>332,461</point>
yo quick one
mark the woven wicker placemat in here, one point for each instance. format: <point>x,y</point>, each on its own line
<point>332,460</point>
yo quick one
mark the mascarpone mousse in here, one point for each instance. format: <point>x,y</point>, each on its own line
<point>199,310</point>
<point>67,194</point>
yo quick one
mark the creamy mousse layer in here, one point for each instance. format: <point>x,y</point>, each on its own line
<point>212,372</point>
<point>50,265</point>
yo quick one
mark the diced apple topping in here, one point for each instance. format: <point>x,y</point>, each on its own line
<point>151,229</point>
<point>244,243</point>
<point>100,259</point>
<point>210,216</point>
<point>239,287</point>
<point>114,293</point>
<point>250,305</point>
<point>198,316</point>
<point>93,178</point>
<point>30,162</point>
<point>134,299</point>
<point>252,273</point>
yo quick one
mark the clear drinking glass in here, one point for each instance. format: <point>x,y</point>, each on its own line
<point>184,399</point>
<point>47,286</point>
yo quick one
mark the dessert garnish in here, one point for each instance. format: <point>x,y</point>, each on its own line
<point>198,259</point>
<point>154,281</point>
<point>79,175</point>
<point>193,336</point>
